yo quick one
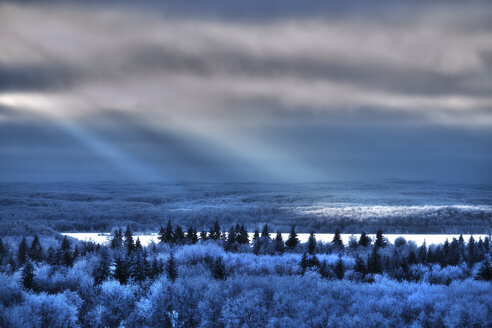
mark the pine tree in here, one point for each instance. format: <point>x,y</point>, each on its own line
<point>314,261</point>
<point>22,252</point>
<point>380,241</point>
<point>374,261</point>
<point>265,233</point>
<point>422,253</point>
<point>203,235</point>
<point>454,252</point>
<point>304,263</point>
<point>444,254</point>
<point>231,236</point>
<point>171,268</point>
<point>485,272</point>
<point>472,252</point>
<point>218,269</point>
<point>162,235</point>
<point>121,270</point>
<point>138,245</point>
<point>194,237</point>
<point>28,275</point>
<point>65,256</point>
<point>65,244</point>
<point>430,256</point>
<point>364,240</point>
<point>412,258</point>
<point>256,246</point>
<point>461,246</point>
<point>191,235</point>
<point>243,237</point>
<point>292,241</point>
<point>129,243</point>
<point>156,268</point>
<point>101,271</point>
<point>169,233</point>
<point>116,241</point>
<point>325,271</point>
<point>256,235</point>
<point>51,256</point>
<point>139,268</point>
<point>312,244</point>
<point>480,245</point>
<point>360,266</point>
<point>36,250</point>
<point>179,236</point>
<point>337,240</point>
<point>231,239</point>
<point>215,231</point>
<point>339,268</point>
<point>279,243</point>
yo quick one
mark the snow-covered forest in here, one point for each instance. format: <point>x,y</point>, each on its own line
<point>221,278</point>
<point>394,206</point>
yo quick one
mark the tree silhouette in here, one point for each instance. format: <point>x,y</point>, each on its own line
<point>339,268</point>
<point>485,271</point>
<point>22,252</point>
<point>304,263</point>
<point>360,266</point>
<point>256,246</point>
<point>203,235</point>
<point>312,243</point>
<point>129,243</point>
<point>215,231</point>
<point>374,261</point>
<point>179,236</point>
<point>121,270</point>
<point>279,243</point>
<point>171,268</point>
<point>380,241</point>
<point>102,271</point>
<point>265,232</point>
<point>218,269</point>
<point>292,241</point>
<point>28,275</point>
<point>337,240</point>
<point>242,237</point>
<point>191,235</point>
<point>169,233</point>
<point>364,240</point>
<point>256,235</point>
<point>36,250</point>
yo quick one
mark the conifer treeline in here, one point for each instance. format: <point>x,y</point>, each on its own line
<point>126,259</point>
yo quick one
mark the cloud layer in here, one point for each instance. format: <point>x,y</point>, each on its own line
<point>220,73</point>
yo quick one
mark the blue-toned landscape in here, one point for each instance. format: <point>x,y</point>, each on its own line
<point>230,255</point>
<point>260,163</point>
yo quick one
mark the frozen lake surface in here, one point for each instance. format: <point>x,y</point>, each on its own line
<point>145,239</point>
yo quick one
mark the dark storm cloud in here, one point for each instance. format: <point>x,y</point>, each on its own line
<point>30,77</point>
<point>375,76</point>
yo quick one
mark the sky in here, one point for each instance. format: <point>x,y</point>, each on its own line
<point>245,91</point>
